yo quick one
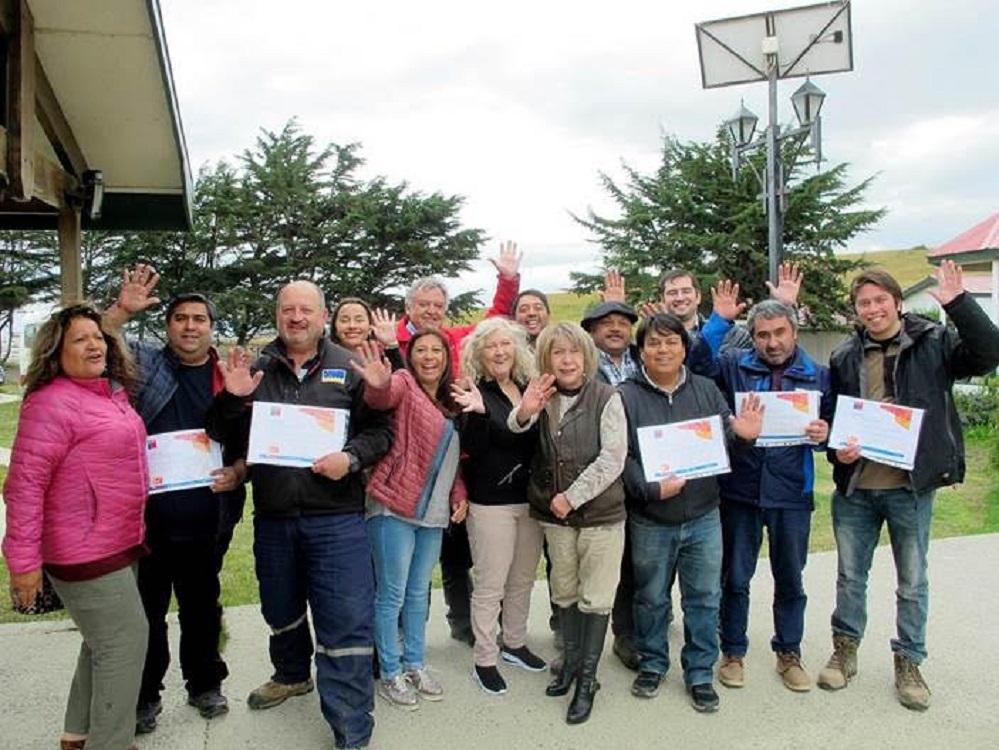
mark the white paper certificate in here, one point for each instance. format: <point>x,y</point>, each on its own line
<point>786,414</point>
<point>181,460</point>
<point>887,433</point>
<point>690,449</point>
<point>292,435</point>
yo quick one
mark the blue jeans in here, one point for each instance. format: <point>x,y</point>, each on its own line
<point>693,550</point>
<point>742,532</point>
<point>405,555</point>
<point>324,562</point>
<point>857,521</point>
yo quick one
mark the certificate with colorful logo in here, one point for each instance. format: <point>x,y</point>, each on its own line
<point>886,433</point>
<point>786,414</point>
<point>181,460</point>
<point>293,435</point>
<point>690,449</point>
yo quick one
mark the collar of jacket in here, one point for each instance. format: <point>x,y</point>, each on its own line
<point>799,367</point>
<point>276,350</point>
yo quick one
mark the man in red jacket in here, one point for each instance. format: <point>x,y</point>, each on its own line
<point>426,307</point>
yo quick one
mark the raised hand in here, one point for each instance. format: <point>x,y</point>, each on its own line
<point>748,424</point>
<point>653,308</point>
<point>950,282</point>
<point>536,395</point>
<point>236,372</point>
<point>508,263</point>
<point>373,366</point>
<point>384,327</point>
<point>467,396</point>
<point>671,487</point>
<point>789,280</point>
<point>137,287</point>
<point>725,296</point>
<point>613,287</point>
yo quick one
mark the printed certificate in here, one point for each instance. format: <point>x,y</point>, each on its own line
<point>690,449</point>
<point>292,435</point>
<point>786,414</point>
<point>887,433</point>
<point>181,460</point>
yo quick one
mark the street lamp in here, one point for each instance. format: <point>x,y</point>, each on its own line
<point>772,46</point>
<point>807,102</point>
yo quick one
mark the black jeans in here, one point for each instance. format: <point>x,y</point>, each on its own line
<point>456,564</point>
<point>187,569</point>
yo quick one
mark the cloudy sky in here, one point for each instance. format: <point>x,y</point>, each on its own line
<point>518,106</point>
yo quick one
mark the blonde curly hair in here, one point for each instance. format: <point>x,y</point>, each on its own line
<point>475,344</point>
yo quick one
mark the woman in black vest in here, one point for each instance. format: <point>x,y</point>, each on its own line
<point>576,493</point>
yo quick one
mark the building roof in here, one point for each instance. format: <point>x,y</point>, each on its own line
<point>107,67</point>
<point>978,243</point>
<point>977,284</point>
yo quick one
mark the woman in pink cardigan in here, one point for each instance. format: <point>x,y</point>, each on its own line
<point>414,491</point>
<point>75,496</point>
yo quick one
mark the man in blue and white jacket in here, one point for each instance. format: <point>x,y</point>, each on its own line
<point>769,488</point>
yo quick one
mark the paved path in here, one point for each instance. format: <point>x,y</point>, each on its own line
<point>36,661</point>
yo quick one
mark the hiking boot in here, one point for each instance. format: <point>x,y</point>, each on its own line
<point>646,685</point>
<point>524,658</point>
<point>842,665</point>
<point>145,716</point>
<point>703,697</point>
<point>489,679</point>
<point>425,684</point>
<point>397,691</point>
<point>731,671</point>
<point>625,651</point>
<point>790,669</point>
<point>272,693</point>
<point>912,690</point>
<point>210,703</point>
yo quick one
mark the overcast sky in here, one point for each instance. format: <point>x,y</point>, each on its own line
<point>517,106</point>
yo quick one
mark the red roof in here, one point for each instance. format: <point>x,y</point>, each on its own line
<point>983,236</point>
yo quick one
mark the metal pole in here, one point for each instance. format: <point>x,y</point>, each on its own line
<point>774,188</point>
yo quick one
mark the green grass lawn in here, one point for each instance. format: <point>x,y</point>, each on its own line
<point>970,508</point>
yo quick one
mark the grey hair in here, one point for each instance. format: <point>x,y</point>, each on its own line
<point>304,283</point>
<point>424,284</point>
<point>473,346</point>
<point>771,309</point>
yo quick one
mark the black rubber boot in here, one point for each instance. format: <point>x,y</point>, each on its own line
<point>570,619</point>
<point>594,632</point>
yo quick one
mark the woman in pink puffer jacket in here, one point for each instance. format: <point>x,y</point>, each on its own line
<point>75,495</point>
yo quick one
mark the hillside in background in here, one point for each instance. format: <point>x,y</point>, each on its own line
<point>907,266</point>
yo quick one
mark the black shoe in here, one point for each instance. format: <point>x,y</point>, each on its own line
<point>210,703</point>
<point>524,658</point>
<point>646,685</point>
<point>594,630</point>
<point>570,620</point>
<point>704,697</point>
<point>489,679</point>
<point>625,651</point>
<point>145,716</point>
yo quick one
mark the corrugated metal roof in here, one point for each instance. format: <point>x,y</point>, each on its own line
<point>982,236</point>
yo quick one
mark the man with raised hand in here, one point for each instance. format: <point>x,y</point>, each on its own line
<point>310,542</point>
<point>768,488</point>
<point>899,358</point>
<point>187,530</point>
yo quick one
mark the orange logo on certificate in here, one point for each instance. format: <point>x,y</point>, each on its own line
<point>199,441</point>
<point>700,429</point>
<point>902,414</point>
<point>325,419</point>
<point>797,399</point>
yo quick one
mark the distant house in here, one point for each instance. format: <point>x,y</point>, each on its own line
<point>917,298</point>
<point>977,252</point>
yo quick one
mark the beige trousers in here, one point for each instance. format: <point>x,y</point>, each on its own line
<point>586,565</point>
<point>506,546</point>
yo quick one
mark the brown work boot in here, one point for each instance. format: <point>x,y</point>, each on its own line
<point>912,690</point>
<point>842,665</point>
<point>272,693</point>
<point>731,671</point>
<point>791,670</point>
